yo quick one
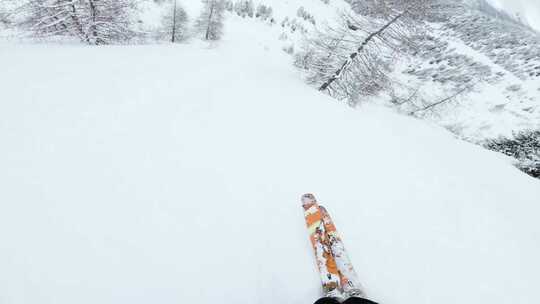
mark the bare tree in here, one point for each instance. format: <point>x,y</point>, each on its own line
<point>210,22</point>
<point>52,17</point>
<point>175,22</point>
<point>7,10</point>
<point>354,58</point>
<point>110,21</point>
<point>345,66</point>
<point>91,21</point>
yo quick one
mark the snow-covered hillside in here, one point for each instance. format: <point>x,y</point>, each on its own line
<point>497,61</point>
<point>172,174</point>
<point>472,69</point>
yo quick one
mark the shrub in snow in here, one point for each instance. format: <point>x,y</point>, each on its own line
<point>285,22</point>
<point>302,13</point>
<point>244,8</point>
<point>289,49</point>
<point>514,88</point>
<point>525,147</point>
<point>264,12</point>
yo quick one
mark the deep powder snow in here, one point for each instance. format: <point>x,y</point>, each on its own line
<point>159,174</point>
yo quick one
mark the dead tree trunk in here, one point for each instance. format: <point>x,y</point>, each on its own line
<point>94,15</point>
<point>78,25</point>
<point>173,39</point>
<point>210,15</point>
<point>444,100</point>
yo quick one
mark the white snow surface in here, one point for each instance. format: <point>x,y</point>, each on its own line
<point>172,174</point>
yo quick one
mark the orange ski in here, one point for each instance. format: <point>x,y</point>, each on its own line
<point>321,246</point>
<point>338,277</point>
<point>349,282</point>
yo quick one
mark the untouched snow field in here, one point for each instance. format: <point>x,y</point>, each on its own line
<point>172,174</point>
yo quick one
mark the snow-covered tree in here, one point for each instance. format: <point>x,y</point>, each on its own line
<point>210,22</point>
<point>175,22</point>
<point>92,21</point>
<point>351,60</point>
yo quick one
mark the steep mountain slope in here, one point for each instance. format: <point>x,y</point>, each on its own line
<point>484,56</point>
<point>172,174</point>
<point>496,60</point>
<point>473,69</point>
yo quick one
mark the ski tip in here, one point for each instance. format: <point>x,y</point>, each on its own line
<point>327,300</point>
<point>358,300</point>
<point>308,198</point>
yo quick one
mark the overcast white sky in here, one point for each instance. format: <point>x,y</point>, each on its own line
<point>528,9</point>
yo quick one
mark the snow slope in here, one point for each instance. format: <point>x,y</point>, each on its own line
<point>172,174</point>
<point>498,60</point>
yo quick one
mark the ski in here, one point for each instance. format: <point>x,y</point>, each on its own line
<point>339,279</point>
<point>326,264</point>
<point>349,281</point>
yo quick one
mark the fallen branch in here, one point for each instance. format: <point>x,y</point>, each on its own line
<point>443,100</point>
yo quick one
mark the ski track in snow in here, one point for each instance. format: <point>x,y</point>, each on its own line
<point>172,174</point>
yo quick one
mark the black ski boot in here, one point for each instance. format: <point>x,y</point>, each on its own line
<point>327,300</point>
<point>358,300</point>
